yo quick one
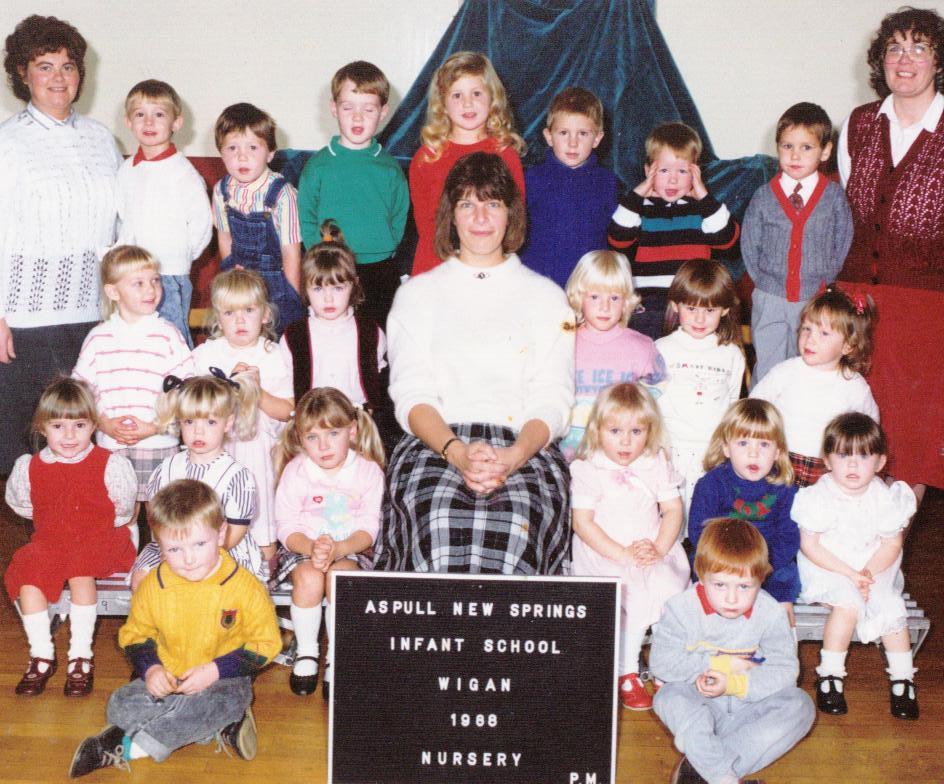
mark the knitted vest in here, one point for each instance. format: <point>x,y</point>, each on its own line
<point>70,499</point>
<point>897,211</point>
<point>299,343</point>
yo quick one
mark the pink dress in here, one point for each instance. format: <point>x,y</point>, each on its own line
<point>625,504</point>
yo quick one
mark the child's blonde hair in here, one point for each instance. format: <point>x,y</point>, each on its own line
<point>853,317</point>
<point>182,505</point>
<point>118,262</point>
<point>602,270</point>
<point>734,546</point>
<point>240,288</point>
<point>706,284</point>
<point>331,263</point>
<point>499,124</point>
<point>752,417</point>
<point>65,398</point>
<point>617,400</point>
<point>327,407</point>
<point>680,138</point>
<point>156,91</point>
<point>203,397</point>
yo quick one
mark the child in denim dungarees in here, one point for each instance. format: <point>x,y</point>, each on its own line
<point>255,209</point>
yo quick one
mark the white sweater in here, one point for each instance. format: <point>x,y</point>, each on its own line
<point>497,348</point>
<point>58,205</point>
<point>703,380</point>
<point>809,398</point>
<point>163,207</point>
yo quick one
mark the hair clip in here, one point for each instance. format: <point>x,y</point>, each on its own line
<point>858,301</point>
<point>221,375</point>
<point>172,382</point>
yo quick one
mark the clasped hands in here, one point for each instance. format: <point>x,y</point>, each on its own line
<point>485,467</point>
<point>712,683</point>
<point>160,682</point>
<point>641,553</point>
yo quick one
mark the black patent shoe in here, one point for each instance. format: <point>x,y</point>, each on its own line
<point>904,705</point>
<point>326,684</point>
<point>685,773</point>
<point>303,685</point>
<point>829,695</point>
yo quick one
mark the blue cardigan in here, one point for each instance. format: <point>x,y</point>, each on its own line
<point>569,211</point>
<point>722,493</point>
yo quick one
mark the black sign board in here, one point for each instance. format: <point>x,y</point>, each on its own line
<point>472,678</point>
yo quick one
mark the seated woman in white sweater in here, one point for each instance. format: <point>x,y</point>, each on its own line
<point>481,353</point>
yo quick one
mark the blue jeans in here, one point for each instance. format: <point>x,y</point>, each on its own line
<point>175,305</point>
<point>161,726</point>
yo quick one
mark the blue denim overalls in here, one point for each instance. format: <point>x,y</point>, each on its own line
<point>256,246</point>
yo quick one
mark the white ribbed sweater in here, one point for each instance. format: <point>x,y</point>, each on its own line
<point>58,205</point>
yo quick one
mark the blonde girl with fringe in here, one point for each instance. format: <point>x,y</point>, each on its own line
<point>327,510</point>
<point>826,379</point>
<point>749,477</point>
<point>600,291</point>
<point>125,358</point>
<point>243,345</point>
<point>627,512</point>
<point>204,411</point>
<point>80,498</point>
<point>704,362</point>
<point>467,111</point>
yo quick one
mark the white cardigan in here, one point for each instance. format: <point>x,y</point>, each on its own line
<point>493,345</point>
<point>58,207</point>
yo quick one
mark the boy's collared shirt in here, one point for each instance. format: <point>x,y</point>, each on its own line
<point>250,198</point>
<point>228,618</point>
<point>139,156</point>
<point>807,185</point>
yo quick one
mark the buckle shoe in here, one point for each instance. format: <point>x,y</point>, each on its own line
<point>904,705</point>
<point>79,680</point>
<point>829,695</point>
<point>303,685</point>
<point>33,682</point>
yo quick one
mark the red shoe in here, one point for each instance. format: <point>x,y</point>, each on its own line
<point>632,694</point>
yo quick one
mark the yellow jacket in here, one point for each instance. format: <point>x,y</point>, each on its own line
<point>227,617</point>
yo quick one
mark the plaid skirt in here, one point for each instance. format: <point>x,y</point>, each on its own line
<point>432,522</point>
<point>144,462</point>
<point>806,469</point>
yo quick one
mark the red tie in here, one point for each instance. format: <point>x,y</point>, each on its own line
<point>796,199</point>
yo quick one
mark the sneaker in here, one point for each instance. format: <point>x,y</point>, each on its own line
<point>99,751</point>
<point>829,695</point>
<point>240,736</point>
<point>904,705</point>
<point>684,773</point>
<point>632,693</point>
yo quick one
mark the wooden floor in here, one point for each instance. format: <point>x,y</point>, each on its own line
<point>38,736</point>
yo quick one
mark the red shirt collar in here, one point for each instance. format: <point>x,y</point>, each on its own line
<point>139,155</point>
<point>706,605</point>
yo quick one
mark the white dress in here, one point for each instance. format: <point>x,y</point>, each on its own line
<point>625,503</point>
<point>255,454</point>
<point>852,528</point>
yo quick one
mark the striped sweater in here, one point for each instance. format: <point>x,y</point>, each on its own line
<point>125,363</point>
<point>662,235</point>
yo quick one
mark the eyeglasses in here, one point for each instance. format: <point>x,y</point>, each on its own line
<point>917,53</point>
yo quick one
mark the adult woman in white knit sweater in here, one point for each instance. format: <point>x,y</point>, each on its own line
<point>481,354</point>
<point>58,208</point>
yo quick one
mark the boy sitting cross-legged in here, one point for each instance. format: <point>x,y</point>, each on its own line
<point>199,627</point>
<point>727,655</point>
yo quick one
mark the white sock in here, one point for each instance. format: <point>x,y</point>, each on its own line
<point>82,624</point>
<point>36,626</point>
<point>307,624</point>
<point>329,627</point>
<point>631,645</point>
<point>831,663</point>
<point>131,750</point>
<point>900,667</point>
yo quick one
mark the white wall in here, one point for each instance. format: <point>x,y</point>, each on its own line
<point>744,61</point>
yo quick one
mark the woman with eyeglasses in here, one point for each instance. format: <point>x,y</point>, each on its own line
<point>891,160</point>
